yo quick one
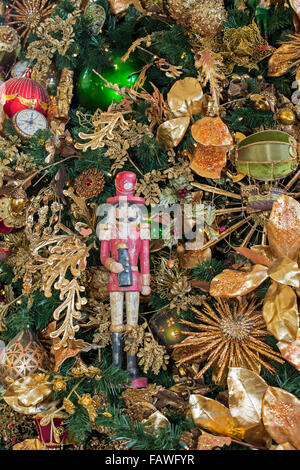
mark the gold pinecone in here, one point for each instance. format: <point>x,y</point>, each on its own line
<point>200,17</point>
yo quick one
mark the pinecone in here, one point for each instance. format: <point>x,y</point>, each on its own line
<point>200,17</point>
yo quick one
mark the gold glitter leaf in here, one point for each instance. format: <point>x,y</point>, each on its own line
<point>281,416</point>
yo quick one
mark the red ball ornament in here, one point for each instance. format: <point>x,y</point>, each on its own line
<point>23,93</point>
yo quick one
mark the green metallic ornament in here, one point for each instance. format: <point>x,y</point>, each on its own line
<point>166,327</point>
<point>267,155</point>
<point>91,90</point>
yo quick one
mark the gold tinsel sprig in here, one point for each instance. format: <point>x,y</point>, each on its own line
<point>139,340</point>
<point>15,427</point>
<point>54,35</point>
<point>111,130</point>
<point>56,251</point>
<point>149,188</point>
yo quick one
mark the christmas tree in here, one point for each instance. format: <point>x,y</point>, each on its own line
<point>189,111</point>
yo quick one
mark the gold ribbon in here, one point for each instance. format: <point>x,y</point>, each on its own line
<point>184,100</point>
<point>30,395</point>
<point>26,101</point>
<point>30,444</point>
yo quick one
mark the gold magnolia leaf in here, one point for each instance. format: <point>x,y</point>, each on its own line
<point>214,417</point>
<point>281,416</point>
<point>258,436</point>
<point>295,4</point>
<point>284,227</point>
<point>285,271</point>
<point>291,351</point>
<point>284,446</point>
<point>209,442</point>
<point>185,97</point>
<point>246,392</point>
<point>280,312</point>
<point>231,283</point>
<point>254,256</point>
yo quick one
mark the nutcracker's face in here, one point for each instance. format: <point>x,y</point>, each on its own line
<point>127,212</point>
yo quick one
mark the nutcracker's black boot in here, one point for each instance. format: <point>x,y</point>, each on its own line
<point>131,366</point>
<point>131,363</point>
<point>117,349</point>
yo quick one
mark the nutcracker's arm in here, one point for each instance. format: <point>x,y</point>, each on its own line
<point>105,252</point>
<point>104,235</point>
<point>145,258</point>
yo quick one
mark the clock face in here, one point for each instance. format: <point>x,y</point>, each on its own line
<point>20,69</point>
<point>28,121</point>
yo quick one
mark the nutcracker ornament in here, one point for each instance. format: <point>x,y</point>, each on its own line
<point>125,239</point>
<point>262,10</point>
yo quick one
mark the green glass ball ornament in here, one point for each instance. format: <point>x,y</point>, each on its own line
<point>166,327</point>
<point>91,90</point>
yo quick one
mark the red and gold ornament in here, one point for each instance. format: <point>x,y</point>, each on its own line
<point>22,93</point>
<point>52,433</point>
<point>4,251</point>
<point>12,205</point>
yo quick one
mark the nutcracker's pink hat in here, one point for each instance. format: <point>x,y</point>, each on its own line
<point>125,188</point>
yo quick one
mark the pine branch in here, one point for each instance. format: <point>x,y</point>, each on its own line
<point>207,270</point>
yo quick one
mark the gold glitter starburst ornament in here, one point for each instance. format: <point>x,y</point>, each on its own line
<point>200,17</point>
<point>229,335</point>
<point>28,15</point>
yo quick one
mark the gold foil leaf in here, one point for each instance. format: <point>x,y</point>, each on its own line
<point>280,312</point>
<point>214,417</point>
<point>291,351</point>
<point>29,395</point>
<point>246,392</point>
<point>284,227</point>
<point>211,131</point>
<point>231,283</point>
<point>258,436</point>
<point>120,6</point>
<point>285,271</point>
<point>185,97</point>
<point>170,133</point>
<point>208,161</point>
<point>284,446</point>
<point>238,177</point>
<point>155,422</point>
<point>29,444</point>
<point>280,63</point>
<point>295,4</point>
<point>239,137</point>
<point>281,416</point>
